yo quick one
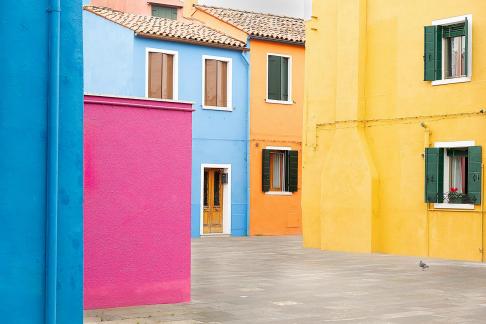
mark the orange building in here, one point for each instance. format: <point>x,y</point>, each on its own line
<point>276,107</point>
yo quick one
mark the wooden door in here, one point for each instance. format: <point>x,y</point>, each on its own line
<point>213,201</point>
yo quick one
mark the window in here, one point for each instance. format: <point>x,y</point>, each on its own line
<point>453,174</point>
<point>277,166</point>
<point>162,74</point>
<point>448,50</point>
<point>455,57</point>
<point>280,170</point>
<point>164,12</point>
<point>216,83</point>
<point>279,78</point>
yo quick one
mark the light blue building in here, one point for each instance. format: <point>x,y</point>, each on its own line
<point>41,163</point>
<point>140,56</point>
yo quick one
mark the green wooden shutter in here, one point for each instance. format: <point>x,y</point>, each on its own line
<point>456,30</point>
<point>292,179</point>
<point>284,79</point>
<point>274,77</point>
<point>266,170</point>
<point>474,173</point>
<point>432,53</point>
<point>434,175</point>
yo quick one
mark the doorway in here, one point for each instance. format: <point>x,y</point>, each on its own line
<point>215,199</point>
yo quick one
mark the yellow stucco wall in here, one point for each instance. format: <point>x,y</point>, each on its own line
<point>365,100</point>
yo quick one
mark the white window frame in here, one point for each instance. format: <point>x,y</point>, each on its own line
<point>452,21</point>
<point>175,76</point>
<point>457,144</point>
<point>279,193</point>
<point>229,86</point>
<point>289,85</point>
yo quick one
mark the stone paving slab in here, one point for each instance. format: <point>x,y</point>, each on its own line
<point>275,280</point>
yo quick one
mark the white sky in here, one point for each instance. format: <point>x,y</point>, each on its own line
<point>295,8</point>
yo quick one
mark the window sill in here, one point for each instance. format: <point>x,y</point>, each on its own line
<point>451,81</point>
<point>279,102</point>
<point>217,108</point>
<point>278,193</point>
<point>454,206</point>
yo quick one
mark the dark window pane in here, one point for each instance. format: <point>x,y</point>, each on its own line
<point>206,188</point>
<point>164,12</point>
<point>217,183</point>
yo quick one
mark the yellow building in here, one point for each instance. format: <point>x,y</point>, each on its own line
<point>393,163</point>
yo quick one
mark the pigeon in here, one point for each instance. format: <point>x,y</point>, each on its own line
<point>423,265</point>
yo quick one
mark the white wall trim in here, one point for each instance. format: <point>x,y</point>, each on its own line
<point>229,86</point>
<point>450,21</point>
<point>290,83</point>
<point>279,148</point>
<point>226,198</point>
<point>454,206</point>
<point>454,144</point>
<point>175,76</point>
<point>278,193</point>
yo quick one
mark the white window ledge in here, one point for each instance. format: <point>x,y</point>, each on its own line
<point>217,108</point>
<point>280,102</point>
<point>454,206</point>
<point>278,193</point>
<point>451,81</point>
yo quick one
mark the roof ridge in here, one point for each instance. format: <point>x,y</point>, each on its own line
<point>195,22</point>
<point>105,12</point>
<point>249,11</point>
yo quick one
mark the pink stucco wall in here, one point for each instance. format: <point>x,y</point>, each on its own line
<point>137,193</point>
<point>140,7</point>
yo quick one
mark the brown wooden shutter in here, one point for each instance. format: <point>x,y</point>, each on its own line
<point>222,84</point>
<point>161,76</point>
<point>210,95</point>
<point>155,75</point>
<point>167,76</point>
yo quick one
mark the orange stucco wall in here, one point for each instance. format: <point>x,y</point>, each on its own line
<point>216,23</point>
<point>274,125</point>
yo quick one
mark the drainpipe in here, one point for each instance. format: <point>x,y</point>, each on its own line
<point>247,61</point>
<point>54,15</point>
<point>427,217</point>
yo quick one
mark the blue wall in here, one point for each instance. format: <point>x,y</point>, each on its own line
<point>219,137</point>
<point>23,106</point>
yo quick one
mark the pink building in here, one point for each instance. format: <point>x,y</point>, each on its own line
<point>161,8</point>
<point>137,189</point>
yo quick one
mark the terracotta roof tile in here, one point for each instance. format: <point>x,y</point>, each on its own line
<point>261,24</point>
<point>168,29</point>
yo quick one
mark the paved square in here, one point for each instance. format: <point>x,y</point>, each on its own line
<point>275,280</point>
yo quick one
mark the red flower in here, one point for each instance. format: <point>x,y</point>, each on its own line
<point>454,189</point>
